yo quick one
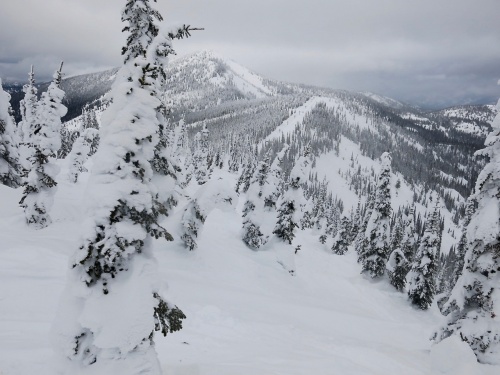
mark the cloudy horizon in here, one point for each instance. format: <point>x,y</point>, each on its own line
<point>426,53</point>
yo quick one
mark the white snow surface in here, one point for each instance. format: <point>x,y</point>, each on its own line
<point>246,315</point>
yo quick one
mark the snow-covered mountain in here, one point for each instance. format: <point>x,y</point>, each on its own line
<point>246,313</point>
<point>471,119</point>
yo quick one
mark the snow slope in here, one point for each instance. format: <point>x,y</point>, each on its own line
<point>246,314</point>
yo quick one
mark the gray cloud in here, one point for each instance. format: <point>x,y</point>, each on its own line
<point>426,52</point>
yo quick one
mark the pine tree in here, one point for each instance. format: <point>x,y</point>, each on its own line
<point>114,265</point>
<point>44,141</point>
<point>422,285</point>
<point>376,249</point>
<point>9,155</point>
<point>274,183</point>
<point>472,307</point>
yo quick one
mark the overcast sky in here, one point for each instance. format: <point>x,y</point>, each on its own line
<point>427,52</point>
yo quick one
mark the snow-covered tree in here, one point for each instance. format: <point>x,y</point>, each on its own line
<point>397,269</point>
<point>286,221</point>
<point>319,210</point>
<point>341,240</point>
<point>260,175</point>
<point>472,309</point>
<point>182,155</point>
<point>192,222</point>
<point>274,183</point>
<point>376,249</point>
<point>252,235</point>
<point>9,154</point>
<point>397,265</point>
<point>28,108</point>
<point>247,172</point>
<point>359,241</point>
<point>356,223</point>
<point>421,278</point>
<point>200,157</point>
<point>216,193</point>
<point>292,204</point>
<point>462,244</point>
<point>80,152</point>
<point>114,300</point>
<point>44,141</point>
<point>409,240</point>
<point>253,211</point>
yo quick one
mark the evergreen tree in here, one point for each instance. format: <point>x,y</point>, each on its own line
<point>114,262</point>
<point>319,206</point>
<point>472,307</point>
<point>80,153</point>
<point>376,249</point>
<point>247,174</point>
<point>192,221</point>
<point>359,242</point>
<point>9,155</point>
<point>44,141</point>
<point>200,157</point>
<point>252,236</point>
<point>286,221</point>
<point>397,265</point>
<point>397,269</point>
<point>462,244</point>
<point>422,286</point>
<point>182,155</point>
<point>356,223</point>
<point>409,240</point>
<point>341,240</point>
<point>274,183</point>
<point>260,175</point>
<point>28,108</point>
<point>292,203</point>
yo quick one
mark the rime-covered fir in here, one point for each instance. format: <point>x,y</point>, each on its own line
<point>43,142</point>
<point>9,153</point>
<point>80,152</point>
<point>375,251</point>
<point>398,265</point>
<point>273,187</point>
<point>292,204</point>
<point>472,309</point>
<point>28,108</point>
<point>422,276</point>
<point>360,240</point>
<point>341,240</point>
<point>200,157</point>
<point>114,263</point>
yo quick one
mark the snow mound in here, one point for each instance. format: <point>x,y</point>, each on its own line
<point>453,356</point>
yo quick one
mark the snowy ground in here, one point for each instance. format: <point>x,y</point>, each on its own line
<point>246,315</point>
